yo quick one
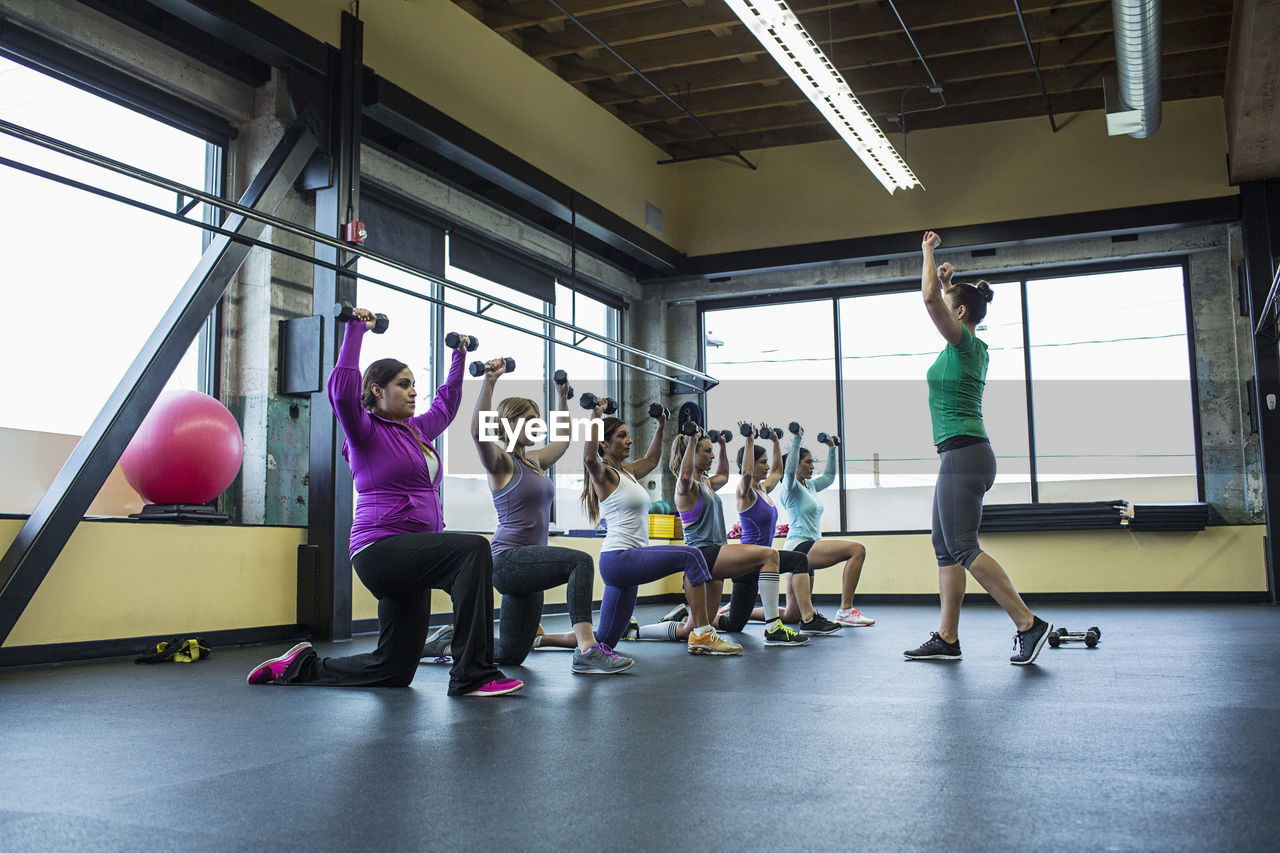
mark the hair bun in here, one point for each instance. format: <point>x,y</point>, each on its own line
<point>985,290</point>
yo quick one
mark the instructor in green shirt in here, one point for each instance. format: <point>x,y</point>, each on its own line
<point>968,464</point>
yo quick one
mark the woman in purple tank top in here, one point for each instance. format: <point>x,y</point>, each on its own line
<point>523,565</point>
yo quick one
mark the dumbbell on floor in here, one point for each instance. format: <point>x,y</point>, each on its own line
<point>478,368</point>
<point>589,400</point>
<point>560,379</point>
<point>345,312</point>
<point>452,340</point>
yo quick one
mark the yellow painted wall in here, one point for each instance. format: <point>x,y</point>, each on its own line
<point>126,580</point>
<point>441,54</point>
<point>972,174</point>
<point>121,579</point>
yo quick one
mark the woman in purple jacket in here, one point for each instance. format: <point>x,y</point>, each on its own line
<point>397,547</point>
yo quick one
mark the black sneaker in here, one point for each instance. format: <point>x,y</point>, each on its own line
<point>935,648</point>
<point>818,626</point>
<point>1027,644</point>
<point>676,614</point>
<point>777,634</point>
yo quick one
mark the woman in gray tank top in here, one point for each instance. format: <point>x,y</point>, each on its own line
<point>524,565</point>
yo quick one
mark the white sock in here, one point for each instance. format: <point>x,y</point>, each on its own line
<point>769,595</point>
<point>658,631</point>
<point>703,631</point>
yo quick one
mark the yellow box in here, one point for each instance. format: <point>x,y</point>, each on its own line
<point>664,527</point>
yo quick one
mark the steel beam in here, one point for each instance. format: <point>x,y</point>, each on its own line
<point>42,538</point>
<point>326,571</point>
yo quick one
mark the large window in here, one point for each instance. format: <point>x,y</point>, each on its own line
<point>586,373</point>
<point>1111,382</point>
<point>87,279</point>
<point>776,364</point>
<point>887,344</point>
<point>1111,405</point>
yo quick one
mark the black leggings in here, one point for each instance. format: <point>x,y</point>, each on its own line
<point>964,477</point>
<point>743,599</point>
<point>521,575</point>
<point>401,571</point>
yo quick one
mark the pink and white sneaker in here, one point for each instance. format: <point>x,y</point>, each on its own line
<point>497,687</point>
<point>268,671</point>
<point>853,618</point>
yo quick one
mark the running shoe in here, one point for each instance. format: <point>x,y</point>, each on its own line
<point>497,687</point>
<point>712,643</point>
<point>437,644</point>
<point>935,648</point>
<point>632,631</point>
<point>676,614</point>
<point>1027,644</point>
<point>778,634</point>
<point>272,670</point>
<point>818,626</point>
<point>537,639</point>
<point>600,660</point>
<point>853,618</point>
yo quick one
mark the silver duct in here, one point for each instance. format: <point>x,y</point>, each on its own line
<point>1137,26</point>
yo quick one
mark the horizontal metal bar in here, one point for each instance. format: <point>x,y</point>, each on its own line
<point>302,256</point>
<point>125,169</point>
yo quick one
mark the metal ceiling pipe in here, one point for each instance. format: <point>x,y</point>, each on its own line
<point>1138,41</point>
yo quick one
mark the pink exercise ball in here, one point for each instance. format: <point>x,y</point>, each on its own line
<point>187,451</point>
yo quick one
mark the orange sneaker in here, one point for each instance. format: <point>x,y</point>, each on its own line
<point>712,643</point>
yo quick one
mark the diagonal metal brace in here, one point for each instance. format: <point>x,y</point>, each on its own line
<point>42,538</point>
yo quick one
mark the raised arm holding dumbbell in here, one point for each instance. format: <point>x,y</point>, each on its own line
<point>401,555</point>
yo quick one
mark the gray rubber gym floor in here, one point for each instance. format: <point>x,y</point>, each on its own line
<point>1162,738</point>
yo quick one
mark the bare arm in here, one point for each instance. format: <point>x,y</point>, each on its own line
<point>746,484</point>
<point>549,455</point>
<point>492,456</point>
<point>721,476</point>
<point>775,468</point>
<point>931,289</point>
<point>601,479</point>
<point>642,466</point>
<point>684,482</point>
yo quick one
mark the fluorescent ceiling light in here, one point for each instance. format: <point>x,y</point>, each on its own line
<point>782,35</point>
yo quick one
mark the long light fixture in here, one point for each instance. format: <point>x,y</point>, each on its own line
<point>782,34</point>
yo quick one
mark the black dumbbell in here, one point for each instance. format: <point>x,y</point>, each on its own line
<point>794,427</point>
<point>689,428</point>
<point>725,434</point>
<point>776,433</point>
<point>477,368</point>
<point>1054,639</point>
<point>452,339</point>
<point>589,400</point>
<point>822,439</point>
<point>1091,637</point>
<point>561,378</point>
<point>345,312</point>
<point>657,410</point>
<point>764,433</point>
<point>746,430</point>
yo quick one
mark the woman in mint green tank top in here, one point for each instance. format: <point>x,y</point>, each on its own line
<point>967,467</point>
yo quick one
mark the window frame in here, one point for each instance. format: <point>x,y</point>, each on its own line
<point>1022,275</point>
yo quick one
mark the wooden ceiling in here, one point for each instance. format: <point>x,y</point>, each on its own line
<point>698,53</point>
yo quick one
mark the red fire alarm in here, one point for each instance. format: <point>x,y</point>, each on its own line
<point>353,232</point>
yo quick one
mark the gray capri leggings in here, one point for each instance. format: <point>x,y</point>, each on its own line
<point>521,574</point>
<point>963,478</point>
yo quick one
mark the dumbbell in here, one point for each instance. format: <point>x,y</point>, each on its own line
<point>794,427</point>
<point>452,339</point>
<point>768,433</point>
<point>822,439</point>
<point>745,430</point>
<point>589,400</point>
<point>561,378</point>
<point>345,312</point>
<point>478,368</point>
<point>689,428</point>
<point>657,410</point>
<point>724,433</point>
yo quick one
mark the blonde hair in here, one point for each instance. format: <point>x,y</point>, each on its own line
<point>510,411</point>
<point>676,456</point>
<point>589,498</point>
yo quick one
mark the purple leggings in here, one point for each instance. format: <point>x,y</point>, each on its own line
<point>624,571</point>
